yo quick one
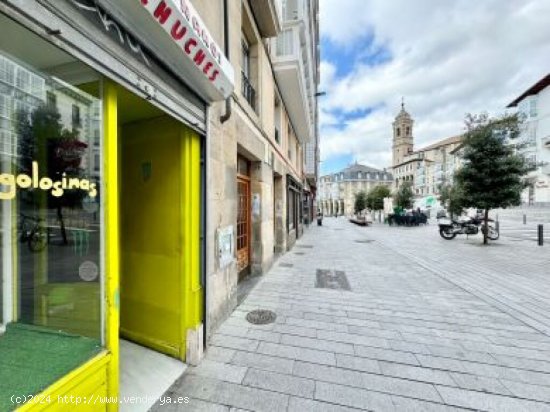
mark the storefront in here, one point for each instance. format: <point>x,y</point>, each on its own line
<point>294,210</point>
<point>103,113</point>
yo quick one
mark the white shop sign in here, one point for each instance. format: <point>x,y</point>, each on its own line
<point>175,33</point>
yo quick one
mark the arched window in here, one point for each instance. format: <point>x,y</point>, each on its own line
<point>398,132</point>
<point>408,131</point>
<point>358,175</point>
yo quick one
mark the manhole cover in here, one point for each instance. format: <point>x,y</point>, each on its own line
<point>286,265</point>
<point>364,241</point>
<point>261,316</point>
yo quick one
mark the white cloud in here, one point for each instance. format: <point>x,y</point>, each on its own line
<point>448,58</point>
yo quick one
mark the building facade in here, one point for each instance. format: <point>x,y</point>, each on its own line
<point>337,191</point>
<point>425,169</point>
<point>261,174</point>
<point>534,106</point>
<point>152,154</point>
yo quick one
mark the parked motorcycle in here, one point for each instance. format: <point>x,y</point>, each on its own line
<point>449,228</point>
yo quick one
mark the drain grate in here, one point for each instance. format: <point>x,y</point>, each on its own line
<point>286,265</point>
<point>305,246</point>
<point>332,279</point>
<point>261,317</point>
<point>299,253</point>
<point>364,241</point>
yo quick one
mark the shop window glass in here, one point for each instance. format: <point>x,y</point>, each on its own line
<point>291,204</point>
<point>49,202</point>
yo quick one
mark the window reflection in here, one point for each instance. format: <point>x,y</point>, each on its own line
<point>49,194</point>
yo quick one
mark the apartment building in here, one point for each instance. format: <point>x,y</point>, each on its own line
<point>337,190</point>
<point>534,106</point>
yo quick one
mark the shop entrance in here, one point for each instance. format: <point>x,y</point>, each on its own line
<point>243,217</point>
<point>150,218</point>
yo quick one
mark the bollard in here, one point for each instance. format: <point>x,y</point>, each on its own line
<point>541,235</point>
<point>524,219</point>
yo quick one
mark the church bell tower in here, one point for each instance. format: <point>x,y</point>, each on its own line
<point>402,136</point>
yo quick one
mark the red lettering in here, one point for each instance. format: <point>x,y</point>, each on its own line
<point>207,67</point>
<point>178,30</point>
<point>188,44</point>
<point>214,75</point>
<point>199,57</point>
<point>162,12</point>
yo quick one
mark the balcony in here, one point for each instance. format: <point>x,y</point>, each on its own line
<point>248,91</point>
<point>267,17</point>
<point>290,74</point>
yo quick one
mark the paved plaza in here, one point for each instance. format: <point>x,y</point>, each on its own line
<point>426,325</point>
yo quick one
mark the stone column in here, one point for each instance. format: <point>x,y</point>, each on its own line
<point>262,229</point>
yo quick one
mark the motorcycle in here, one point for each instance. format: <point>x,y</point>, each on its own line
<point>449,228</point>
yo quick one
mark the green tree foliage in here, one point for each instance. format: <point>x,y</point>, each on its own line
<point>493,174</point>
<point>451,197</point>
<point>375,198</point>
<point>360,201</point>
<point>404,196</point>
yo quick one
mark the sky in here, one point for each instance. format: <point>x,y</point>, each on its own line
<point>445,58</point>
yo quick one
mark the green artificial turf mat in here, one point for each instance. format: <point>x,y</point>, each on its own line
<point>32,358</point>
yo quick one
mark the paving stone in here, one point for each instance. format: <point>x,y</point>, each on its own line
<point>264,362</point>
<point>296,330</point>
<point>325,345</point>
<point>264,335</point>
<point>386,354</point>
<point>354,397</point>
<point>233,342</point>
<point>219,370</point>
<point>488,402</point>
<point>217,353</point>
<point>528,391</point>
<point>316,324</point>
<point>278,382</point>
<point>351,338</point>
<point>301,405</point>
<point>480,383</point>
<point>370,331</point>
<point>356,363</point>
<point>216,391</point>
<point>174,405</point>
<point>414,405</point>
<point>293,352</point>
<point>416,373</point>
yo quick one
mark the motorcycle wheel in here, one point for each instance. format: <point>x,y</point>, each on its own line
<point>493,234</point>
<point>447,233</point>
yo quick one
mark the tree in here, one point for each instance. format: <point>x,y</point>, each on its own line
<point>451,197</point>
<point>360,201</point>
<point>404,196</point>
<point>375,198</point>
<point>493,174</point>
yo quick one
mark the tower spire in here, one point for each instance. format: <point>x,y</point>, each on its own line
<point>402,103</point>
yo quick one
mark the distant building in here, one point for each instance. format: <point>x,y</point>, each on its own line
<point>337,191</point>
<point>534,104</point>
<point>427,168</point>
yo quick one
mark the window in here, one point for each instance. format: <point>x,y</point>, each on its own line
<point>408,131</point>
<point>247,90</point>
<point>76,117</point>
<point>51,100</point>
<point>51,245</point>
<point>291,206</point>
<point>398,132</point>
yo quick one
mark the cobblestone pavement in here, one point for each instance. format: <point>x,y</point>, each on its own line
<point>428,325</point>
